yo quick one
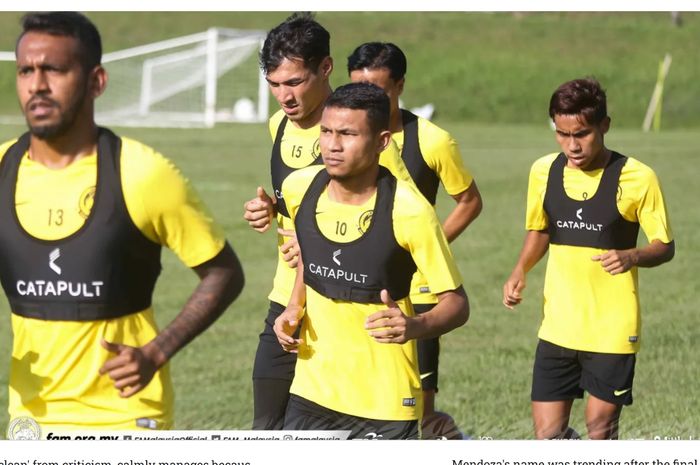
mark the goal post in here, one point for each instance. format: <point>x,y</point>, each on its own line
<point>195,80</point>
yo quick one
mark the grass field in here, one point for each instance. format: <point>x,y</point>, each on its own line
<point>476,67</point>
<point>486,364</point>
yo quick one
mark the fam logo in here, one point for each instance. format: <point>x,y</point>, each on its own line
<point>53,256</point>
<point>336,254</point>
<point>316,149</point>
<point>87,199</point>
<point>24,429</point>
<point>365,221</point>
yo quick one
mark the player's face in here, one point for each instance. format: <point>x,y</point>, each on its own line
<point>581,142</point>
<point>381,77</point>
<point>52,85</point>
<point>300,91</point>
<point>348,145</point>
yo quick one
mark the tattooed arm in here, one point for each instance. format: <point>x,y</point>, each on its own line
<point>221,281</point>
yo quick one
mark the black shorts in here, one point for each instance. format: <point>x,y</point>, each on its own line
<point>271,361</point>
<point>302,414</point>
<point>562,374</point>
<point>428,355</point>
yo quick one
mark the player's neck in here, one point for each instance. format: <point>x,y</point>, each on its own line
<point>59,152</point>
<point>354,190</point>
<point>600,161</point>
<point>396,121</point>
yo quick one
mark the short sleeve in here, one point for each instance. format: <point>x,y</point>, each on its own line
<point>274,124</point>
<point>642,200</point>
<point>418,230</point>
<point>295,186</point>
<point>441,153</point>
<point>165,207</point>
<point>535,216</point>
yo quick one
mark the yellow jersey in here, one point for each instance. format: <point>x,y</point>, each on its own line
<point>54,372</point>
<point>440,153</point>
<point>586,308</point>
<point>340,366</point>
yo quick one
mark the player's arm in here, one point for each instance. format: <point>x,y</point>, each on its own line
<point>293,190</point>
<point>420,232</point>
<point>468,207</point>
<point>221,281</point>
<point>653,254</point>
<point>537,236</point>
<point>535,246</point>
<point>260,210</point>
<point>651,213</point>
<point>288,321</point>
<point>290,248</point>
<point>393,326</point>
<point>441,153</point>
<point>178,219</point>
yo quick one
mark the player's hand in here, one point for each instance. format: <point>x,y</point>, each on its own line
<point>285,326</point>
<point>290,249</point>
<point>513,288</point>
<point>390,325</point>
<point>259,211</point>
<point>131,369</point>
<point>617,261</point>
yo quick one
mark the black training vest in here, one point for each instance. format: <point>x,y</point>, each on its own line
<point>425,178</point>
<point>595,222</point>
<point>106,269</point>
<point>359,270</point>
<point>280,170</point>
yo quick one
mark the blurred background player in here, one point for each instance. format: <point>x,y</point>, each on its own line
<point>431,156</point>
<point>296,61</point>
<point>362,233</point>
<point>84,216</point>
<point>586,205</point>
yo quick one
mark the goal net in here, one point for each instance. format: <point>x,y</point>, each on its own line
<point>196,80</point>
<point>199,80</point>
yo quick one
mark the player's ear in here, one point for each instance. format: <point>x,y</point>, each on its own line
<point>605,125</point>
<point>97,81</point>
<point>384,140</point>
<point>399,85</point>
<point>326,67</point>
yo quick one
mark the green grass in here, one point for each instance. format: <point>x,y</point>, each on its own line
<point>485,365</point>
<point>476,67</point>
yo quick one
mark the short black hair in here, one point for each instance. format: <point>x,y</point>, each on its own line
<point>70,24</point>
<point>580,96</point>
<point>363,96</point>
<point>376,55</point>
<point>299,37</point>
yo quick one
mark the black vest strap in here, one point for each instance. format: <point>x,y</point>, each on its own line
<point>280,170</point>
<point>356,271</point>
<point>106,269</point>
<point>594,222</point>
<point>425,178</point>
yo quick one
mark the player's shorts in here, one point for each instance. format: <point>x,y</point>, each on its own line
<point>302,414</point>
<point>271,361</point>
<point>563,374</point>
<point>428,355</point>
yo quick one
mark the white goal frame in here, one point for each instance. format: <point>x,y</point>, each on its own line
<point>205,47</point>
